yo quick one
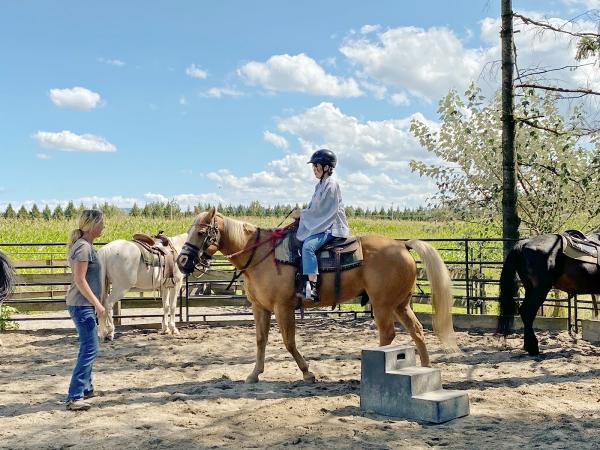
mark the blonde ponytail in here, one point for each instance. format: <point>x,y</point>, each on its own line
<point>88,219</point>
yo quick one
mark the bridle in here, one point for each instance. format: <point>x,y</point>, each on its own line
<point>193,257</point>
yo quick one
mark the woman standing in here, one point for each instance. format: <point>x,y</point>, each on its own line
<point>84,305</point>
<point>322,220</point>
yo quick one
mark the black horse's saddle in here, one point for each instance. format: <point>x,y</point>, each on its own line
<point>583,248</point>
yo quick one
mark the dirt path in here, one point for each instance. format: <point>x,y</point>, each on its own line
<point>188,392</point>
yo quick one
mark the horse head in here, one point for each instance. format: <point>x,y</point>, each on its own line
<point>202,243</point>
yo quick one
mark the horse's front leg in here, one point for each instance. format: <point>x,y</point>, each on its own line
<point>173,292</point>
<point>286,320</point>
<point>164,294</point>
<point>262,320</point>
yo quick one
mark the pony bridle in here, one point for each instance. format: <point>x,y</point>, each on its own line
<point>193,257</point>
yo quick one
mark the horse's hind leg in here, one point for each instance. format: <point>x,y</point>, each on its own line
<point>534,297</point>
<point>384,319</point>
<point>262,321</point>
<point>287,324</point>
<point>409,321</point>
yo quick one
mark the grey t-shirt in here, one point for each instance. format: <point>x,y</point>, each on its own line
<point>82,250</point>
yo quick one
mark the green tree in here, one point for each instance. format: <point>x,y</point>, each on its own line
<point>556,174</point>
<point>70,211</point>
<point>47,213</point>
<point>9,213</point>
<point>135,211</point>
<point>23,213</point>
<point>58,213</point>
<point>35,212</point>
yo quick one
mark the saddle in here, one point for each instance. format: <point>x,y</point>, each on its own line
<point>578,246</point>
<point>337,255</point>
<point>157,251</point>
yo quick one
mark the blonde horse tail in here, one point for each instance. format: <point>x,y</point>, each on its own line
<point>441,292</point>
<point>103,277</point>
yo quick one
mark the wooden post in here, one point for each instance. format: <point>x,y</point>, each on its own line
<point>117,312</point>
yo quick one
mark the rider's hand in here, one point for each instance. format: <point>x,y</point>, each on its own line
<point>296,213</point>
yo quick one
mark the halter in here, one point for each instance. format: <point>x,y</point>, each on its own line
<point>189,252</point>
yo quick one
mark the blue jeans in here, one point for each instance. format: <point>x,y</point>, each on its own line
<point>85,323</point>
<point>310,246</point>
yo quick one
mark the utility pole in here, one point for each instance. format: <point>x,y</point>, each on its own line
<point>510,217</point>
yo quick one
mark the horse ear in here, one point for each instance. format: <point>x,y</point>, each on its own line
<point>248,228</point>
<point>211,212</point>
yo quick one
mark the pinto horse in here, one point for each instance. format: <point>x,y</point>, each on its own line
<point>541,265</point>
<point>387,275</point>
<point>123,268</point>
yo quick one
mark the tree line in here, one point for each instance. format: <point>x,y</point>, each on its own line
<point>173,210</point>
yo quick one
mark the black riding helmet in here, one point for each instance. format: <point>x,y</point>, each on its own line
<point>324,157</point>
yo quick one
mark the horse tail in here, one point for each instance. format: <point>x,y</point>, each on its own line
<point>102,254</point>
<point>508,304</point>
<point>441,292</point>
<point>7,277</point>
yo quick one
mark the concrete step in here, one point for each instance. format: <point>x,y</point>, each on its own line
<point>392,385</point>
<point>441,405</point>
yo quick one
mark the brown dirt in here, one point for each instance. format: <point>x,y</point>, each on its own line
<point>188,392</point>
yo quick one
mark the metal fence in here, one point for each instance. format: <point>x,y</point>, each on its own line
<point>474,265</point>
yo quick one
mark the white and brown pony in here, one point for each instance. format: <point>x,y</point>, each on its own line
<point>387,275</point>
<point>123,268</point>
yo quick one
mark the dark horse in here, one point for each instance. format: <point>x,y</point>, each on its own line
<point>7,277</point>
<point>542,265</point>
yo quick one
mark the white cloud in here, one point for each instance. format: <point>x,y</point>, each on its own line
<point>366,29</point>
<point>76,97</point>
<point>196,72</point>
<point>400,99</point>
<point>222,92</point>
<point>42,156</point>
<point>373,162</point>
<point>112,62</point>
<point>71,142</point>
<point>297,73</point>
<point>275,139</point>
<point>426,63</point>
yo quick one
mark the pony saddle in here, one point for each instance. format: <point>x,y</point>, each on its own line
<point>156,252</point>
<point>337,254</point>
<point>580,247</point>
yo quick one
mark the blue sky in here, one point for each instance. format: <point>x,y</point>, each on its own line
<point>224,101</point>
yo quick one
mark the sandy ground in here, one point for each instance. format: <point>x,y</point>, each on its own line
<point>188,392</point>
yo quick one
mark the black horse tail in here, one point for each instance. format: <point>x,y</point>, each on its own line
<point>508,304</point>
<point>7,277</point>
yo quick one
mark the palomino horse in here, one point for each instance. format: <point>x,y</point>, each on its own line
<point>7,277</point>
<point>124,268</point>
<point>387,275</point>
<point>541,265</point>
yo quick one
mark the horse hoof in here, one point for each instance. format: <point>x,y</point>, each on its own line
<point>175,331</point>
<point>309,377</point>
<point>252,379</point>
<point>163,331</point>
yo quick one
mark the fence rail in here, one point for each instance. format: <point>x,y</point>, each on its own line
<point>474,265</point>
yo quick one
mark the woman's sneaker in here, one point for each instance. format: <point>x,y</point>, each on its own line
<point>310,291</point>
<point>93,394</point>
<point>78,405</point>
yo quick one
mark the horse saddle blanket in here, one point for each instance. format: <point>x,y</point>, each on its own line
<point>580,247</point>
<point>156,252</point>
<point>338,254</point>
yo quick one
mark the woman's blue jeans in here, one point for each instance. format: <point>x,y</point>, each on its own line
<point>310,246</point>
<point>85,323</point>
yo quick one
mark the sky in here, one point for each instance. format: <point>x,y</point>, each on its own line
<point>223,102</point>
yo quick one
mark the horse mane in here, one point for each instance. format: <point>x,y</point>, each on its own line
<point>235,231</point>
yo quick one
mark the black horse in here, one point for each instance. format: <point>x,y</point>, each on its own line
<point>541,266</point>
<point>7,277</point>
